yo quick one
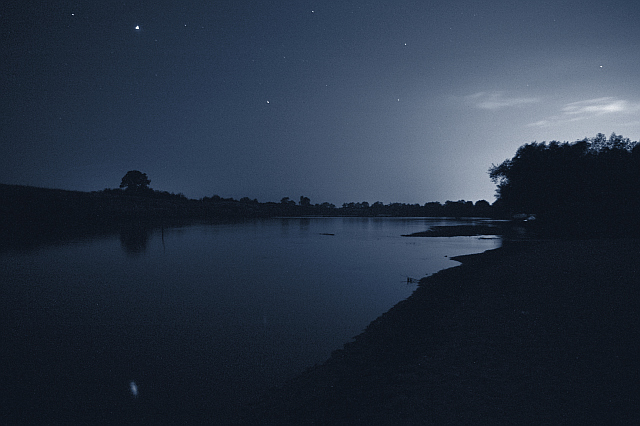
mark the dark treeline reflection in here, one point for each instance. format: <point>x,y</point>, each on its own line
<point>134,238</point>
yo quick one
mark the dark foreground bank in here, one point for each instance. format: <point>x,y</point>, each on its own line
<point>537,332</point>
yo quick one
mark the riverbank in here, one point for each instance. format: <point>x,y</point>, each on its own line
<point>459,231</point>
<point>536,332</point>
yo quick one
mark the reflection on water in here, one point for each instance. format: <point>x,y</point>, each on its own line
<point>197,317</point>
<point>134,238</point>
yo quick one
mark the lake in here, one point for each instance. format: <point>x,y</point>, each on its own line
<point>182,324</point>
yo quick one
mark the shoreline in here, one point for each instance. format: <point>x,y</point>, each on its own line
<point>532,332</point>
<point>459,231</point>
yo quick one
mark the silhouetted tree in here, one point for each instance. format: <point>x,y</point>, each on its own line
<point>460,208</point>
<point>135,181</point>
<point>587,183</point>
<point>305,201</point>
<point>482,208</point>
<point>326,206</point>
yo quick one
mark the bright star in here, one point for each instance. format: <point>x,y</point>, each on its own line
<point>137,27</point>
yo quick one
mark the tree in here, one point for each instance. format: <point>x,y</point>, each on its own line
<point>586,184</point>
<point>287,201</point>
<point>327,206</point>
<point>135,181</point>
<point>482,208</point>
<point>305,201</point>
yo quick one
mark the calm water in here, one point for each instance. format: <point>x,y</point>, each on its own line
<point>199,317</point>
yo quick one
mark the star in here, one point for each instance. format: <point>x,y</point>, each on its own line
<point>137,27</point>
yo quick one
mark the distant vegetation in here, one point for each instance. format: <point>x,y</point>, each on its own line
<point>304,207</point>
<point>56,206</point>
<point>587,186</point>
<point>41,210</point>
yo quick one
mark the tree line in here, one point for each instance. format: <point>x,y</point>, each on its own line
<point>590,185</point>
<point>137,183</point>
<point>304,207</point>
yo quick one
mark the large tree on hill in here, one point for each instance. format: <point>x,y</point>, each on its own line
<point>135,181</point>
<point>591,180</point>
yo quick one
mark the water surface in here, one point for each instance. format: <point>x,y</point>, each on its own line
<point>199,317</point>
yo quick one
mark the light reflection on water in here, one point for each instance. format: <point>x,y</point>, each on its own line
<point>199,317</point>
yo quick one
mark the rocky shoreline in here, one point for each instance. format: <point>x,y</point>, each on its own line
<point>536,332</point>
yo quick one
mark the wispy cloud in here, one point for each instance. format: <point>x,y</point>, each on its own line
<point>590,108</point>
<point>596,106</point>
<point>497,100</point>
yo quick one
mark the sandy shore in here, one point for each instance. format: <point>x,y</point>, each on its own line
<point>537,332</point>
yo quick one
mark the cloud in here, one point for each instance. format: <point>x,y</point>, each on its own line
<point>590,108</point>
<point>497,100</point>
<point>596,106</point>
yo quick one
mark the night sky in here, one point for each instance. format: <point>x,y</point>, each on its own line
<point>339,101</point>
